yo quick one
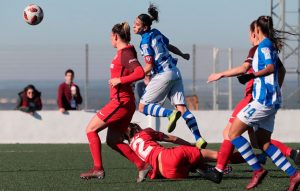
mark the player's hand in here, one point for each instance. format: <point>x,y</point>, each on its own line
<point>186,56</point>
<point>214,77</point>
<point>62,110</point>
<point>114,82</point>
<point>243,79</point>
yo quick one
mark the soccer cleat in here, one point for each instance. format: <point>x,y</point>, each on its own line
<point>201,143</point>
<point>227,169</point>
<point>93,174</point>
<point>295,155</point>
<point>262,158</point>
<point>143,173</point>
<point>294,182</point>
<point>175,115</point>
<point>256,179</point>
<point>214,175</point>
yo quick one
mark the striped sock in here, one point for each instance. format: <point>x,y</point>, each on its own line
<point>156,110</point>
<point>246,151</point>
<point>192,123</point>
<point>280,160</point>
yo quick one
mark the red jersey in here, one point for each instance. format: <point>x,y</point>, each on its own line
<point>249,59</point>
<point>125,66</point>
<point>145,146</point>
<point>64,96</point>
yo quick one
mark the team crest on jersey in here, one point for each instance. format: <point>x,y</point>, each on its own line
<point>266,52</point>
<point>112,66</point>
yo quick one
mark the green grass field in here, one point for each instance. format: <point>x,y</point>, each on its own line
<point>57,167</point>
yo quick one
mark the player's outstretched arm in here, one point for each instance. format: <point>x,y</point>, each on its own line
<point>239,70</point>
<point>176,140</point>
<point>178,52</point>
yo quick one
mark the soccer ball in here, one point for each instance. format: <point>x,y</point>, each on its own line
<point>33,14</point>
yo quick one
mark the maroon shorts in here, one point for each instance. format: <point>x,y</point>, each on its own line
<point>177,161</point>
<point>116,113</point>
<point>239,107</point>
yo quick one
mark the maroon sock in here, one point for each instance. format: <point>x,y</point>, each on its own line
<point>282,147</point>
<point>224,154</point>
<point>95,148</point>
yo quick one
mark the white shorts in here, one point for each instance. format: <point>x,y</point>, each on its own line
<point>257,116</point>
<point>163,85</point>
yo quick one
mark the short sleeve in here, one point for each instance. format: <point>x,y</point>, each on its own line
<point>146,47</point>
<point>251,53</point>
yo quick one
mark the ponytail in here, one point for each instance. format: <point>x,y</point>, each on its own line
<point>265,23</point>
<point>153,12</point>
<point>123,30</point>
<point>152,15</point>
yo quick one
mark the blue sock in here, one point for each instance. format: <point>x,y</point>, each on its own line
<point>192,123</point>
<point>280,160</point>
<point>156,110</point>
<point>246,151</point>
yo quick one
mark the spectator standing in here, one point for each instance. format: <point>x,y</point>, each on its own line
<point>68,96</point>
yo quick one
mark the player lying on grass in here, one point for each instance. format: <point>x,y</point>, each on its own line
<point>171,163</point>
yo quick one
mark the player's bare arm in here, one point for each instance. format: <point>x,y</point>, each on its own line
<point>230,73</point>
<point>176,140</point>
<point>148,68</point>
<point>178,52</point>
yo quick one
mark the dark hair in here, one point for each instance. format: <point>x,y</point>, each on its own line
<point>30,86</point>
<point>69,71</point>
<point>148,19</point>
<point>133,129</point>
<point>252,26</point>
<point>123,30</point>
<point>265,23</point>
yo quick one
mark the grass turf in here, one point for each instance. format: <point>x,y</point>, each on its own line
<point>57,167</point>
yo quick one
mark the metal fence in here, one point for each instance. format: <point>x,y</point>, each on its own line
<point>44,66</point>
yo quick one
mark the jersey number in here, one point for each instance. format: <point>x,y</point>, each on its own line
<point>249,111</point>
<point>138,146</point>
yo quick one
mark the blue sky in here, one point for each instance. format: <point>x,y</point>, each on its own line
<point>214,22</point>
<point>69,23</point>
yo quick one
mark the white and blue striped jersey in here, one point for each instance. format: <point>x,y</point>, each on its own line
<point>266,90</point>
<point>156,45</point>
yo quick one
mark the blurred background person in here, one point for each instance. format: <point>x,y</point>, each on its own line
<point>68,95</point>
<point>29,100</point>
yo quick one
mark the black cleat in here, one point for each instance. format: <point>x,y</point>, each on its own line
<point>295,155</point>
<point>214,175</point>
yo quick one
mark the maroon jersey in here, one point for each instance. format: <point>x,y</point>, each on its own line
<point>145,146</point>
<point>249,59</point>
<point>125,66</point>
<point>64,97</point>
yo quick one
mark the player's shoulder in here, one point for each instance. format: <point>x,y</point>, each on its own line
<point>128,52</point>
<point>265,43</point>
